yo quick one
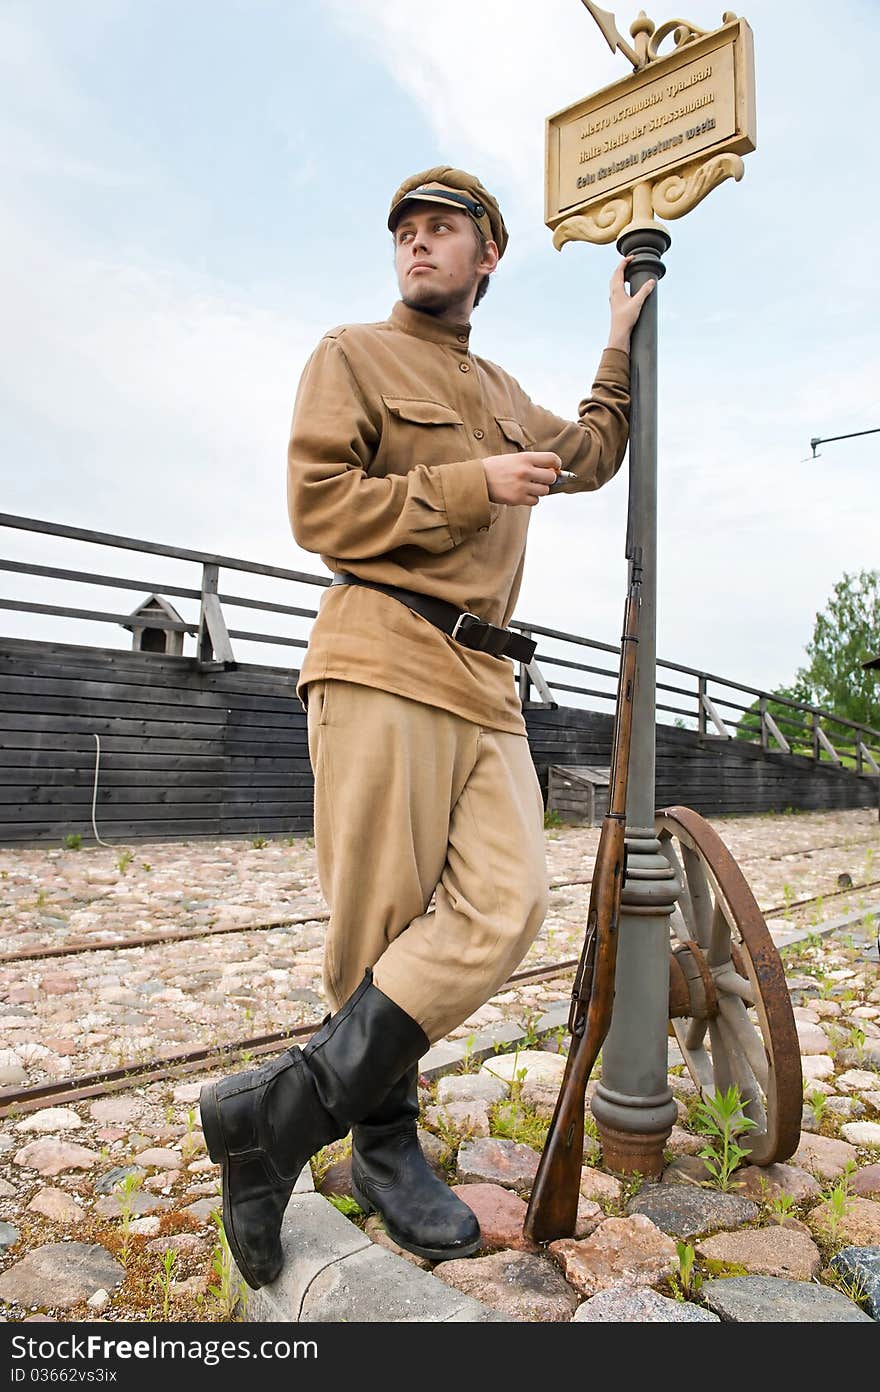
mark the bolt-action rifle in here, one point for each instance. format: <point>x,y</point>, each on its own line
<point>552,1209</point>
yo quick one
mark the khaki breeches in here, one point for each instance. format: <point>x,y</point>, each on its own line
<point>413,802</point>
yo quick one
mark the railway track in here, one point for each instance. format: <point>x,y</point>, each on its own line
<point>78,946</point>
<point>57,1092</point>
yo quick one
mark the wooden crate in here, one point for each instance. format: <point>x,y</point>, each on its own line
<point>578,793</point>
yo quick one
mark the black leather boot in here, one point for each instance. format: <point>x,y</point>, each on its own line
<point>390,1175</point>
<point>262,1126</point>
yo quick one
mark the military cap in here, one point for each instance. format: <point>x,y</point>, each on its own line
<point>456,189</point>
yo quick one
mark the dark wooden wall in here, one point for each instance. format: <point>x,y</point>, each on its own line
<point>713,775</point>
<point>183,753</point>
<point>186,753</point>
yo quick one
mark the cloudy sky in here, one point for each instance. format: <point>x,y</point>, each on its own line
<point>194,192</point>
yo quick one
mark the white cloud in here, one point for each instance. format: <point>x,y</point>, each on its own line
<point>158,397</point>
<point>486,76</point>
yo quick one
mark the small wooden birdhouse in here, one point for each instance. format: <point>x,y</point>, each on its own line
<point>147,637</point>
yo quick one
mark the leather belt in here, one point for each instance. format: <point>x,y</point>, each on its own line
<point>466,628</point>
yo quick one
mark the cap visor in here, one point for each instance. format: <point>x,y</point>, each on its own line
<point>422,198</point>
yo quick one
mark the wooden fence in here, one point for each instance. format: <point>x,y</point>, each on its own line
<point>145,744</point>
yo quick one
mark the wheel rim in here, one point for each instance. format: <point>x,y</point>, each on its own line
<point>732,1015</point>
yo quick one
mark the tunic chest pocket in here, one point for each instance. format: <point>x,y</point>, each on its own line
<point>420,431</point>
<point>514,432</point>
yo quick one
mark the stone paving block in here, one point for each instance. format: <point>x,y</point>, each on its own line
<point>447,1054</point>
<point>60,1274</point>
<point>770,1300</point>
<point>314,1235</point>
<point>766,1182</point>
<point>466,1087</point>
<point>823,1156</point>
<point>375,1286</point>
<point>631,1250</point>
<point>866,1182</point>
<point>9,1235</point>
<point>509,1163</point>
<point>306,1183</point>
<point>537,1066</point>
<point>522,1285</point>
<point>685,1211</point>
<point>774,1251</point>
<point>467,1116</point>
<point>623,1304</point>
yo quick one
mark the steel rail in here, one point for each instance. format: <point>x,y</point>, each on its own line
<point>78,947</point>
<point>39,1095</point>
<point>159,939</point>
<point>78,1088</point>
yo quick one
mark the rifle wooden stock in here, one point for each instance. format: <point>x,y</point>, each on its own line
<point>552,1210</point>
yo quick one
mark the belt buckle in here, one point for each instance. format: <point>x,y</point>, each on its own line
<point>462,628</point>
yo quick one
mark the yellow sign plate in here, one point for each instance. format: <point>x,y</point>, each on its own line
<point>698,100</point>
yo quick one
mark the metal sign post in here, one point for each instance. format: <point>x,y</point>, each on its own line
<point>652,144</point>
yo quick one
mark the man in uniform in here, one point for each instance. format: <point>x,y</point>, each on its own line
<point>413,467</point>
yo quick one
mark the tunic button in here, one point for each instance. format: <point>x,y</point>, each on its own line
<point>464,367</point>
<point>478,434</point>
<point>462,338</point>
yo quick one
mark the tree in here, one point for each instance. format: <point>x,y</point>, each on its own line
<point>845,635</point>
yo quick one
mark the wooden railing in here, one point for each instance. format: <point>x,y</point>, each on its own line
<point>711,705</point>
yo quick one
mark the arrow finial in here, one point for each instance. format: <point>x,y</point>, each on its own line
<point>611,33</point>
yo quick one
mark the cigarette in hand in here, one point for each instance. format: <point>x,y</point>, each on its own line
<point>562,477</point>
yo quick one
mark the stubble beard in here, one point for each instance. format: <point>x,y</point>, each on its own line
<point>430,300</point>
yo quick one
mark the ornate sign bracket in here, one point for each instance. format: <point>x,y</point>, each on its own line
<point>659,140</point>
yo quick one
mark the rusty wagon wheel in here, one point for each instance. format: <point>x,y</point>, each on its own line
<point>728,1001</point>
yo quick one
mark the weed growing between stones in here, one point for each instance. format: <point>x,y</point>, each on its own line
<point>817,1102</point>
<point>722,1119</point>
<point>837,1197</point>
<point>783,1207</point>
<point>856,1040</point>
<point>630,1185</point>
<point>125,1193</point>
<point>687,1281</point>
<point>163,1281</point>
<point>470,1063</point>
<point>852,1286</point>
<point>512,1120</point>
<point>348,1206</point>
<point>229,1289</point>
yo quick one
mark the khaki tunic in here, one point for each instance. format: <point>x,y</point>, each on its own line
<point>385,479</point>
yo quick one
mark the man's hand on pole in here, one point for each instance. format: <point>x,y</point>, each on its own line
<point>625,308</point>
<point>521,479</point>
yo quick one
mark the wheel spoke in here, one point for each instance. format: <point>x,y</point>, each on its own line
<point>733,1013</point>
<point>683,908</point>
<point>695,1033</point>
<point>699,1065</point>
<point>679,926</point>
<point>721,1064</point>
<point>700,896</point>
<point>747,1083</point>
<point>727,979</point>
<point>719,937</point>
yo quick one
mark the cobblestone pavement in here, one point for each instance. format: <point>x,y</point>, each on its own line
<point>68,1015</point>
